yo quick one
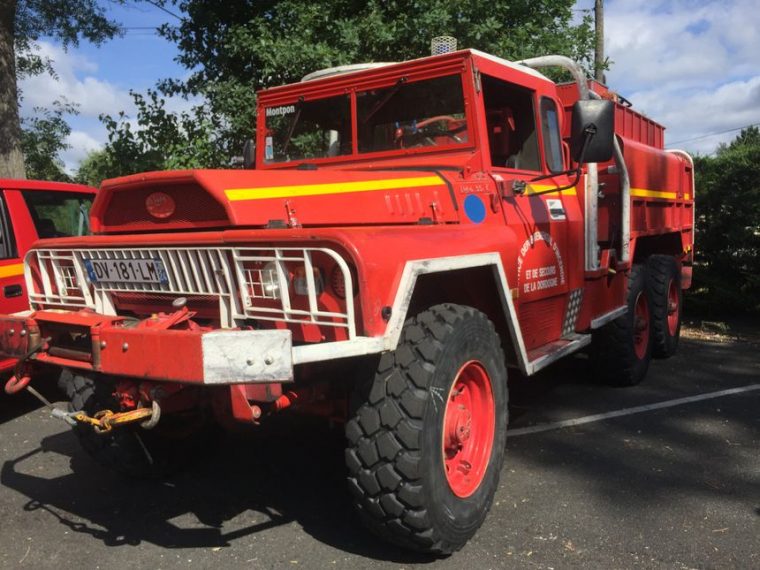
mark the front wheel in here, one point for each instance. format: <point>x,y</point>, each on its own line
<point>427,435</point>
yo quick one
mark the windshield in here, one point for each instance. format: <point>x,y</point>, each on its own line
<point>405,115</point>
<point>408,115</point>
<point>59,214</point>
<point>308,129</point>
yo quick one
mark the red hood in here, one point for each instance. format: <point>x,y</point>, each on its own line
<point>250,198</point>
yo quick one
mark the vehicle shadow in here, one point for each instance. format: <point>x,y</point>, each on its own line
<point>290,472</point>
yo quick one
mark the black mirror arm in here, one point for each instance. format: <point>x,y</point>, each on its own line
<point>572,184</point>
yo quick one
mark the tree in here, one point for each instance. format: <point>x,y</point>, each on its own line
<point>94,168</point>
<point>22,23</point>
<point>232,49</point>
<point>727,276</point>
<point>43,137</point>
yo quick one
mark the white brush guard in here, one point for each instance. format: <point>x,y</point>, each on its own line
<point>249,283</point>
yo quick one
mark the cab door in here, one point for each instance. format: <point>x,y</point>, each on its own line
<point>525,144</point>
<point>12,286</point>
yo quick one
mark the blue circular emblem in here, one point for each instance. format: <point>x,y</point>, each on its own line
<point>474,208</point>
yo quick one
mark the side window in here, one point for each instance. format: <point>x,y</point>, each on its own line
<point>511,123</point>
<point>550,134</point>
<point>59,214</point>
<point>7,241</point>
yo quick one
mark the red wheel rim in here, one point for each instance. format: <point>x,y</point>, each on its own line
<point>641,326</point>
<point>673,308</point>
<point>468,429</point>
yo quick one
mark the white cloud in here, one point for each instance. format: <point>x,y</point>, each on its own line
<point>691,66</point>
<point>76,81</point>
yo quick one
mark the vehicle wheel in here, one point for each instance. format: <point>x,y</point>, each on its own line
<point>622,349</point>
<point>427,434</point>
<point>664,282</point>
<point>131,450</point>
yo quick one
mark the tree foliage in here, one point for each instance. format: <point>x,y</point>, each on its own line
<point>232,49</point>
<point>68,21</point>
<point>727,275</point>
<point>43,138</point>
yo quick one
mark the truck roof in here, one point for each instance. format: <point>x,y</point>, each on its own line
<point>44,185</point>
<point>368,70</point>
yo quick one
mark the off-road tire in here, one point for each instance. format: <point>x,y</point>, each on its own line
<point>123,450</point>
<point>613,356</point>
<point>662,271</point>
<point>395,454</point>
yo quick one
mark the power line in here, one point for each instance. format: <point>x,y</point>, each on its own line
<point>163,9</point>
<point>714,134</point>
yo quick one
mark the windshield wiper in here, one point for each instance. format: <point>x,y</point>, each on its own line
<point>292,125</point>
<point>381,103</point>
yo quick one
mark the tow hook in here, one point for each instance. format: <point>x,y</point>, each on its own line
<point>105,420</point>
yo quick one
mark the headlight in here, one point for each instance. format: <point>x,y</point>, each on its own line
<point>270,281</point>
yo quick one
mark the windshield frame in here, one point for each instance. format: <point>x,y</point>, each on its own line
<point>381,78</point>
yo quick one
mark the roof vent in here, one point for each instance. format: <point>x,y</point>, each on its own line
<point>442,44</point>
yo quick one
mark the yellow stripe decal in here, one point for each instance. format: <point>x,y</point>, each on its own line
<point>642,193</point>
<point>535,188</point>
<point>236,194</point>
<point>12,270</point>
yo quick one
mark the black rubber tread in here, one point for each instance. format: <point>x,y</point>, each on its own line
<point>121,450</point>
<point>661,270</point>
<point>612,353</point>
<point>387,434</point>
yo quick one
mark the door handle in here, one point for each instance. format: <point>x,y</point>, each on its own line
<point>13,291</point>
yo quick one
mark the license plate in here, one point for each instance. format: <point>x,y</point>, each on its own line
<point>126,271</point>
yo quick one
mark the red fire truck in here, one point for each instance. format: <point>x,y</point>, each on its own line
<point>31,210</point>
<point>406,234</point>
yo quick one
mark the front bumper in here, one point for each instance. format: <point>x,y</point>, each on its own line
<point>115,346</point>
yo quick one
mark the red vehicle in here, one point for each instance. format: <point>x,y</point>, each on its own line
<point>408,233</point>
<point>31,210</point>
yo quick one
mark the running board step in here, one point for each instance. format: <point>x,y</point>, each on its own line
<point>550,352</point>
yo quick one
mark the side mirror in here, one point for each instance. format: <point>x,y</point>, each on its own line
<point>593,131</point>
<point>249,154</point>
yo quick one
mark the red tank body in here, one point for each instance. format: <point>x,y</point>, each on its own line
<point>382,201</point>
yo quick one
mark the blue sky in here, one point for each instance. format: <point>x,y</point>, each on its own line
<point>692,65</point>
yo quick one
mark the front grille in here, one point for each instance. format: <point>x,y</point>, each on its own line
<point>248,283</point>
<point>126,209</point>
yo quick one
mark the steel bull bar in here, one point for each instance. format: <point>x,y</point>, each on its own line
<point>142,350</point>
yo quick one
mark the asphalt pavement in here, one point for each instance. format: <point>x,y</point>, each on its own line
<point>676,486</point>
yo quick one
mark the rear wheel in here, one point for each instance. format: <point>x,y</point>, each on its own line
<point>427,434</point>
<point>664,283</point>
<point>622,349</point>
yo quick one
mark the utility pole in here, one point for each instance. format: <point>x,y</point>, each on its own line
<point>599,49</point>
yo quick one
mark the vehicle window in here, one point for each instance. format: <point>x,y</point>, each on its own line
<point>59,214</point>
<point>408,115</point>
<point>308,129</point>
<point>7,241</point>
<point>550,134</point>
<point>511,125</point>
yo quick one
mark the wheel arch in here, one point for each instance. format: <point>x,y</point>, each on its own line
<point>663,244</point>
<point>477,281</point>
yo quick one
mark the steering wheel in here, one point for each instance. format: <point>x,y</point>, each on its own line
<point>427,129</point>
